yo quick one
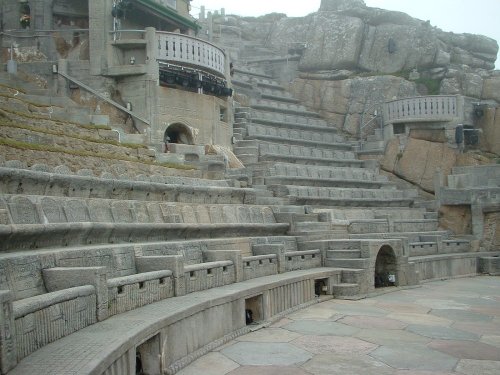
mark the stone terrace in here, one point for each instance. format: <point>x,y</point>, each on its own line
<point>93,231</point>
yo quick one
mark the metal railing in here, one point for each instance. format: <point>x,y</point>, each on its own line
<point>423,108</point>
<point>184,49</point>
<point>102,97</point>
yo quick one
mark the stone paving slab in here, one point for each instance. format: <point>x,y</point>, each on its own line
<point>267,354</point>
<point>311,327</point>
<point>466,349</point>
<point>462,315</point>
<point>372,322</point>
<point>475,367</point>
<point>210,364</point>
<point>350,364</point>
<point>334,344</point>
<point>445,333</point>
<point>417,357</point>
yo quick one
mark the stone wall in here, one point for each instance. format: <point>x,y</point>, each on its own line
<point>200,113</point>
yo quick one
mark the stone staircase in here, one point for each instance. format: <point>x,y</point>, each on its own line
<point>304,161</point>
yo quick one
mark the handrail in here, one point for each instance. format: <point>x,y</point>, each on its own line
<point>102,97</point>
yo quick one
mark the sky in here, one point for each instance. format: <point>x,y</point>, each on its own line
<point>460,16</point>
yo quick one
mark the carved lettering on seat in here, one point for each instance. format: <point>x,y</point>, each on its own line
<point>23,211</point>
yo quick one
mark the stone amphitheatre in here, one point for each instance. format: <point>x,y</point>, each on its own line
<point>168,184</point>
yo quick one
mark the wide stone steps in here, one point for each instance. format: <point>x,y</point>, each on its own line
<point>281,106</point>
<point>265,115</point>
<point>300,137</point>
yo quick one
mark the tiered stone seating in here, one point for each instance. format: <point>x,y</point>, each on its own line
<point>310,195</point>
<point>306,155</point>
<point>296,136</point>
<point>86,248</point>
<point>309,175</point>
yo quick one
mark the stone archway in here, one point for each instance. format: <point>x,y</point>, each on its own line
<point>385,268</point>
<point>178,134</point>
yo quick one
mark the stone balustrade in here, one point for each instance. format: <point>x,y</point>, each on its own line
<point>299,260</point>
<point>186,50</point>
<point>259,266</point>
<point>424,108</point>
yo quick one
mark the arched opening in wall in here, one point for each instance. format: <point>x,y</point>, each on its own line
<point>25,14</point>
<point>147,356</point>
<point>177,134</point>
<point>385,268</point>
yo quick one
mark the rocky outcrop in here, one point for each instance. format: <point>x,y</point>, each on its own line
<point>418,161</point>
<point>346,34</point>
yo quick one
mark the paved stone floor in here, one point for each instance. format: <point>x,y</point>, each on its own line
<point>442,328</point>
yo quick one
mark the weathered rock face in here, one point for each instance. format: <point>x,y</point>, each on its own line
<point>334,42</point>
<point>418,161</point>
<point>345,34</point>
<point>339,5</point>
<point>344,101</point>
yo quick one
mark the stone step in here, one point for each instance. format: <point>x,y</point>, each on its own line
<point>311,226</point>
<point>271,201</point>
<point>353,276</point>
<point>348,263</point>
<point>247,143</point>
<point>343,254</point>
<point>345,290</point>
<point>247,159</point>
<point>320,235</point>
<point>248,150</point>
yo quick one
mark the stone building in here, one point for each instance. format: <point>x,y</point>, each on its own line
<point>138,55</point>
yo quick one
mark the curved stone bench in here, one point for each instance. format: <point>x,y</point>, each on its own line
<point>27,236</point>
<point>15,181</point>
<point>206,319</point>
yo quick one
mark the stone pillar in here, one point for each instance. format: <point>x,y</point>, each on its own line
<point>62,84</point>
<point>210,26</point>
<point>100,24</point>
<point>8,354</point>
<point>202,13</point>
<point>153,67</point>
<point>438,182</point>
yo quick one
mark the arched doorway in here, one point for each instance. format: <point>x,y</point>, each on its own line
<point>178,134</point>
<point>385,268</point>
<point>25,14</point>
